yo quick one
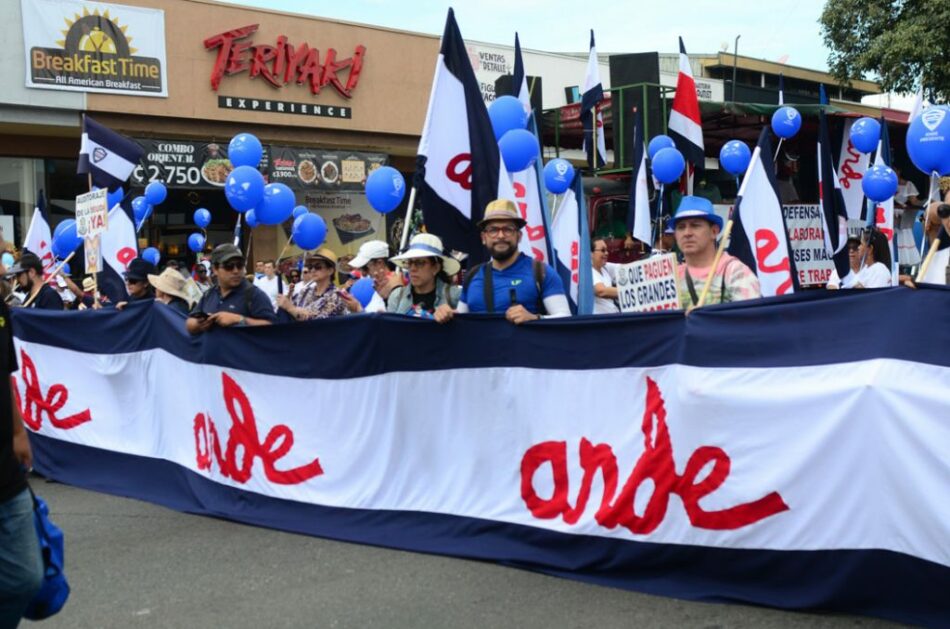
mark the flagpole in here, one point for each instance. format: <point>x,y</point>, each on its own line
<point>408,221</point>
<point>930,256</point>
<point>723,243</point>
<point>593,134</point>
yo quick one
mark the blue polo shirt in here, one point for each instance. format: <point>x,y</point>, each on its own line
<point>520,277</point>
<point>255,304</point>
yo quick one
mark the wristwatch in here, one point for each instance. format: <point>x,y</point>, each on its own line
<point>243,320</point>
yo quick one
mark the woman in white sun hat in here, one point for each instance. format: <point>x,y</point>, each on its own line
<point>430,283</point>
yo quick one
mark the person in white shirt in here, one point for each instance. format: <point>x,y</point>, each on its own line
<point>269,282</point>
<point>605,294</point>
<point>876,271</point>
<point>372,260</point>
<point>854,260</point>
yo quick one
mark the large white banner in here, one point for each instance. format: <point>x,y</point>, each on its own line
<point>94,47</point>
<point>677,454</point>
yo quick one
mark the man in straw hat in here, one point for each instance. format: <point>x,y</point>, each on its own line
<point>430,278</point>
<point>511,282</point>
<point>170,289</point>
<point>234,301</point>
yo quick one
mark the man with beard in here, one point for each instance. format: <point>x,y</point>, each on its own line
<point>29,279</point>
<point>513,283</point>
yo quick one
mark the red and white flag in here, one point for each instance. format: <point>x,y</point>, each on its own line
<point>686,125</point>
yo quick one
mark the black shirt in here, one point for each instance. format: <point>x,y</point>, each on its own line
<point>179,304</point>
<point>246,299</point>
<point>425,302</point>
<point>47,299</point>
<point>12,478</point>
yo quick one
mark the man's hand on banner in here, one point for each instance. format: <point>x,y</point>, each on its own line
<point>518,314</point>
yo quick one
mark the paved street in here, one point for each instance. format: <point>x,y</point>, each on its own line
<point>132,564</point>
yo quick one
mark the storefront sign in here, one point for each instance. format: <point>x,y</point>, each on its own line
<point>312,169</point>
<point>284,107</point>
<point>648,285</point>
<point>110,48</point>
<point>181,164</point>
<point>283,63</point>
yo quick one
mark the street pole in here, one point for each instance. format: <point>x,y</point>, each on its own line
<point>735,61</point>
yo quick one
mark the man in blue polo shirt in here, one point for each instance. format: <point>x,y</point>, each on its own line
<point>511,282</point>
<point>234,301</point>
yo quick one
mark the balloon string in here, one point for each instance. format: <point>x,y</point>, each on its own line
<point>777,151</point>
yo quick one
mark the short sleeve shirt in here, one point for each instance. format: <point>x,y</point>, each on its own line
<point>246,300</point>
<point>518,277</point>
<point>47,299</point>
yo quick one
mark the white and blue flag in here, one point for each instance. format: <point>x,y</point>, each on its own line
<point>106,155</point>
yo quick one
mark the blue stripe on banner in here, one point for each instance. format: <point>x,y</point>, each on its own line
<point>809,328</point>
<point>874,582</point>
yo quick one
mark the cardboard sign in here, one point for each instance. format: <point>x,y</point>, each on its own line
<point>92,213</point>
<point>92,248</point>
<point>648,285</point>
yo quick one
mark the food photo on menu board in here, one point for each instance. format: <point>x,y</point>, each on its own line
<point>349,217</point>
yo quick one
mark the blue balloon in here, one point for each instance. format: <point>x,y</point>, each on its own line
<point>151,254</point>
<point>786,122</point>
<point>928,140</point>
<point>155,193</point>
<point>659,143</point>
<point>385,189</point>
<point>244,188</point>
<point>865,134</point>
<point>735,157</point>
<point>115,197</point>
<point>300,210</point>
<point>507,113</point>
<point>245,150</point>
<point>141,209</point>
<point>277,204</point>
<point>66,269</point>
<point>668,165</point>
<point>879,183</point>
<point>250,218</point>
<point>309,231</point>
<point>67,241</point>
<point>558,175</point>
<point>63,226</point>
<point>362,289</point>
<point>202,217</point>
<point>519,149</point>
<point>196,242</point>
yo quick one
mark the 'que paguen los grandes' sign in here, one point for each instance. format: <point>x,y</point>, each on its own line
<point>94,47</point>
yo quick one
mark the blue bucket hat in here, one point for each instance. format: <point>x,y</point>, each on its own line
<point>697,207</point>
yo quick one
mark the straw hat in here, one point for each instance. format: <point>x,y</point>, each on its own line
<point>502,210</point>
<point>171,283</point>
<point>427,246</point>
<point>88,284</point>
<point>324,254</point>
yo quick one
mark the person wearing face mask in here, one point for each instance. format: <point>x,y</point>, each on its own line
<point>29,280</point>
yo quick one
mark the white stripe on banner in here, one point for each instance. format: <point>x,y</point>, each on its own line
<point>110,162</point>
<point>839,456</point>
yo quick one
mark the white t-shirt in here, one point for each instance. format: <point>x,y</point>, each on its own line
<point>604,305</point>
<point>905,192</point>
<point>269,286</point>
<point>875,276</point>
<point>836,282</point>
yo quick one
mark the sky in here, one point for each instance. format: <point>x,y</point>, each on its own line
<point>769,29</point>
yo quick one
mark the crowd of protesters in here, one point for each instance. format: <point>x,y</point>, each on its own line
<point>426,281</point>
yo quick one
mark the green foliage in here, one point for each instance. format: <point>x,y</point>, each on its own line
<point>894,41</point>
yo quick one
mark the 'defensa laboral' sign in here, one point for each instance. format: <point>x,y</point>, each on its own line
<point>94,47</point>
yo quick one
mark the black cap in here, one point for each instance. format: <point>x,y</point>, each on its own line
<point>26,262</point>
<point>225,252</point>
<point>139,269</point>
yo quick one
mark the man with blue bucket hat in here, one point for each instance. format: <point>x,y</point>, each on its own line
<point>696,227</point>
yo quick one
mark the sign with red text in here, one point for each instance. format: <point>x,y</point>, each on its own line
<point>111,48</point>
<point>648,285</point>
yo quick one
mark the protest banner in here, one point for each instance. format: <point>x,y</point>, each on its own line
<point>648,285</point>
<point>92,220</point>
<point>688,481</point>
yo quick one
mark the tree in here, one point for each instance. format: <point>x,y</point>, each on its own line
<point>896,40</point>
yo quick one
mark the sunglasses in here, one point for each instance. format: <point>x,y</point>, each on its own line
<point>130,281</point>
<point>418,262</point>
<point>317,267</point>
<point>231,266</point>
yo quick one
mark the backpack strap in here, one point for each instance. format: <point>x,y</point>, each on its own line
<point>488,285</point>
<point>539,271</point>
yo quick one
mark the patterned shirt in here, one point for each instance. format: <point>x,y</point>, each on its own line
<point>324,305</point>
<point>732,281</point>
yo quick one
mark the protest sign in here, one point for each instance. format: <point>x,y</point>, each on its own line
<point>648,285</point>
<point>92,220</point>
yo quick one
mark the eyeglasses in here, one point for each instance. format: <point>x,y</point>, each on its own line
<point>418,262</point>
<point>231,266</point>
<point>506,230</point>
